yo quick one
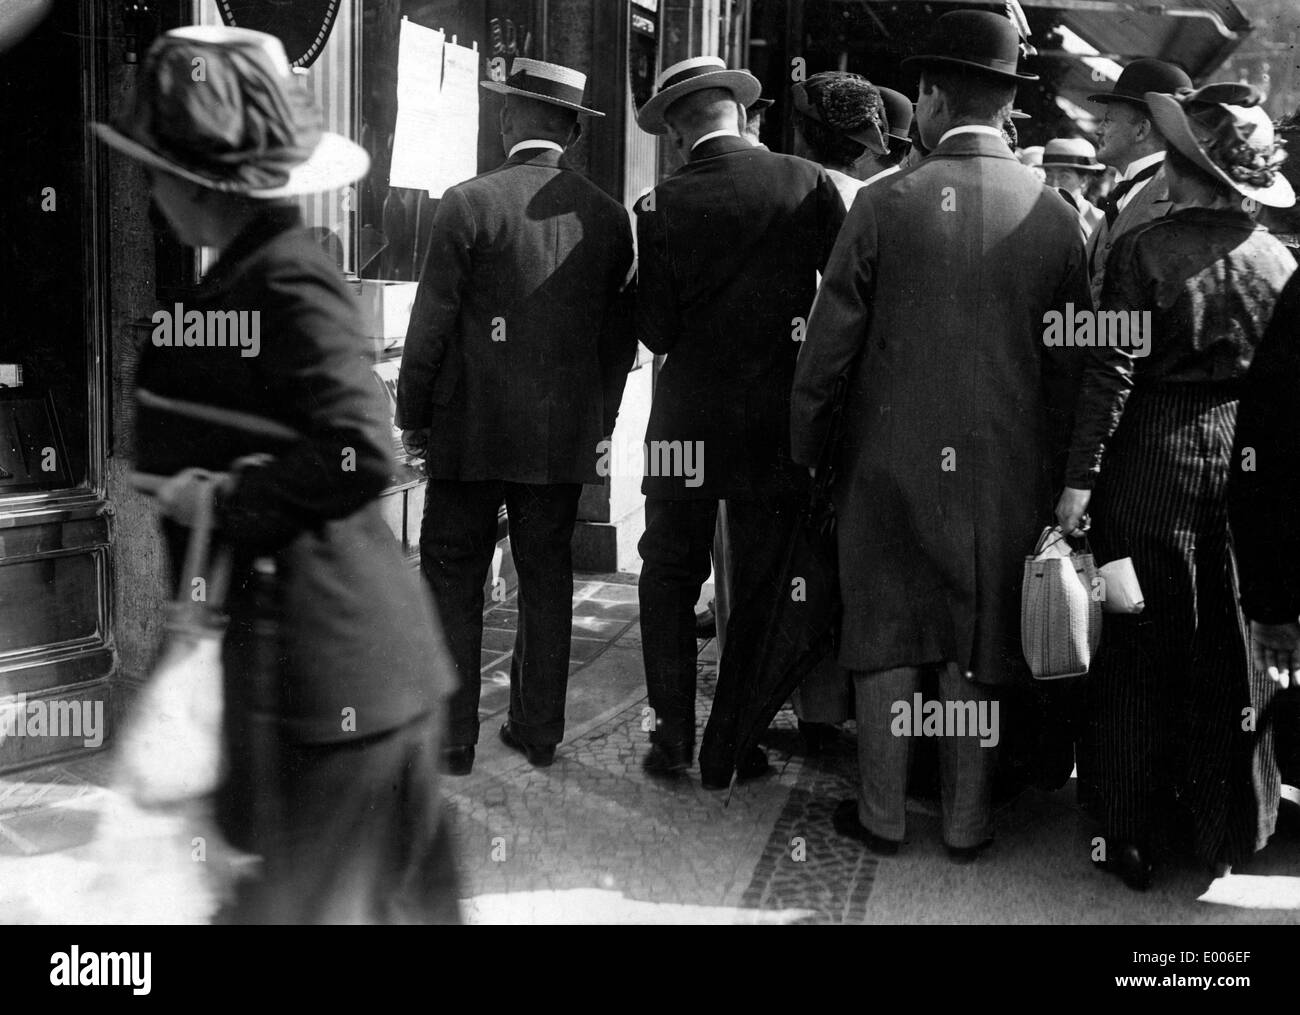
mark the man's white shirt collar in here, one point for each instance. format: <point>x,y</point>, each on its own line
<point>880,175</point>
<point>1133,168</point>
<point>971,128</point>
<point>524,145</point>
<point>715,133</point>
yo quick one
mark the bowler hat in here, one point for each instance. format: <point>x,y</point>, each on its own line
<point>1071,153</point>
<point>1142,76</point>
<point>545,82</point>
<point>975,40</point>
<point>693,75</point>
<point>244,125</point>
<point>1224,131</point>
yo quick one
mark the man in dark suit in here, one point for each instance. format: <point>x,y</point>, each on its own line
<point>1129,141</point>
<point>934,304</point>
<point>518,349</point>
<point>730,247</point>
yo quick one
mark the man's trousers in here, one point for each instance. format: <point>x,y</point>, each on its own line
<point>675,564</point>
<point>457,539</point>
<point>966,766</point>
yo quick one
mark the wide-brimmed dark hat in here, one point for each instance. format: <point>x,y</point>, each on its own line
<point>551,83</point>
<point>975,40</point>
<point>759,106</point>
<point>898,114</point>
<point>846,103</point>
<point>693,75</point>
<point>1224,131</point>
<point>1142,76</point>
<point>1072,153</point>
<point>222,108</point>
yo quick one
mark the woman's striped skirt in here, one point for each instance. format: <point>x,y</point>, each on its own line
<point>1177,744</point>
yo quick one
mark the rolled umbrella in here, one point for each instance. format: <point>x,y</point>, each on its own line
<point>804,608</point>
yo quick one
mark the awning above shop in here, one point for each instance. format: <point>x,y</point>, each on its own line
<point>1198,34</point>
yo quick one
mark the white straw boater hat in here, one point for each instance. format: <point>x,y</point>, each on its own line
<point>246,126</point>
<point>694,75</point>
<point>1223,130</point>
<point>1071,153</point>
<point>545,82</point>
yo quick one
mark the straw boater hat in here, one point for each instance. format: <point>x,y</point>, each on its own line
<point>978,41</point>
<point>1225,132</point>
<point>696,74</point>
<point>545,82</point>
<point>247,127</point>
<point>1071,153</point>
<point>1140,77</point>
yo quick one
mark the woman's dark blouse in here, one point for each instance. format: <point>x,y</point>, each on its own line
<point>1210,279</point>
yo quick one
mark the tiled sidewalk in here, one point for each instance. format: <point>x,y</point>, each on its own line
<point>592,839</point>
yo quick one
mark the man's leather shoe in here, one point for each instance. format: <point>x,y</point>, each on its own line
<point>845,820</point>
<point>968,854</point>
<point>706,623</point>
<point>754,765</point>
<point>458,760</point>
<point>666,760</point>
<point>1131,863</point>
<point>538,755</point>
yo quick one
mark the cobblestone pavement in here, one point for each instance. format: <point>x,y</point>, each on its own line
<point>591,839</point>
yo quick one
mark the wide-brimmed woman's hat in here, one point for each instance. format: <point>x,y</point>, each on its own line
<point>1071,153</point>
<point>694,75</point>
<point>846,103</point>
<point>546,82</point>
<point>1223,130</point>
<point>222,108</point>
<point>974,40</point>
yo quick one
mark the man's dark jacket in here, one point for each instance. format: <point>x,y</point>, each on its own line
<point>730,246</point>
<point>520,338</point>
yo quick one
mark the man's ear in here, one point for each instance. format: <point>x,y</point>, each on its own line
<point>742,117</point>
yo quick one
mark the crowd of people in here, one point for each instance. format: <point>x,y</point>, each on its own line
<point>896,273</point>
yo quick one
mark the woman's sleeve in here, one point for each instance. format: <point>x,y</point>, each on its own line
<point>318,382</point>
<point>1265,478</point>
<point>1107,371</point>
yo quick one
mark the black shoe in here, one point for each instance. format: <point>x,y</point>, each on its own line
<point>706,624</point>
<point>538,755</point>
<point>752,767</point>
<point>666,760</point>
<point>817,737</point>
<point>458,760</point>
<point>967,854</point>
<point>1131,863</point>
<point>845,820</point>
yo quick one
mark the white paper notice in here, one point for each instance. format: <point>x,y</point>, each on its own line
<point>419,86</point>
<point>435,145</point>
